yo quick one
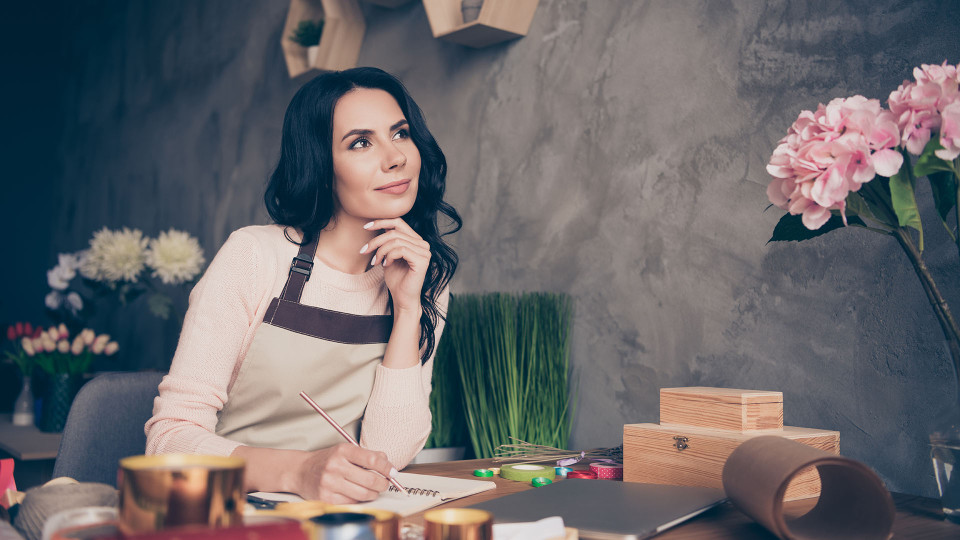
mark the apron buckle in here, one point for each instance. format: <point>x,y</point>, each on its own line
<point>299,270</point>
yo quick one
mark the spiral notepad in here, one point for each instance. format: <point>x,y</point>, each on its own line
<point>426,491</point>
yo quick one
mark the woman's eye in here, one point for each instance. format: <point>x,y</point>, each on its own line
<point>360,143</point>
<point>402,134</point>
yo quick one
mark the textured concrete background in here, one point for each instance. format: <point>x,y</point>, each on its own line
<point>616,153</point>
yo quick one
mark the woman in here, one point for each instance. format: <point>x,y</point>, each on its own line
<point>360,182</point>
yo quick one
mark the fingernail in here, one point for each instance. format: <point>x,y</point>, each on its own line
<point>364,248</point>
<point>373,261</point>
<point>394,472</point>
<point>368,225</point>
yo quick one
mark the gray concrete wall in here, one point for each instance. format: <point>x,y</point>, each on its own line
<point>616,153</point>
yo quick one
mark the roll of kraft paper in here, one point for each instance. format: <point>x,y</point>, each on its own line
<point>853,502</point>
<point>526,472</point>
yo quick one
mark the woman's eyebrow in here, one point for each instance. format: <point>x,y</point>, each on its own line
<point>368,132</point>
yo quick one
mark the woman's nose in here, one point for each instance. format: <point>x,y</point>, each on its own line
<point>394,158</point>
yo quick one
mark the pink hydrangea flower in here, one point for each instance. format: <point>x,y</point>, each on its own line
<point>919,105</point>
<point>950,132</point>
<point>829,153</point>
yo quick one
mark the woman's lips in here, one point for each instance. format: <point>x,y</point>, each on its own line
<point>395,188</point>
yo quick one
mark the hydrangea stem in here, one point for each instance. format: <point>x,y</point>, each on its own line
<point>940,308</point>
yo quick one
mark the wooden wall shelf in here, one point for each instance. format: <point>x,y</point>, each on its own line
<point>343,30</point>
<point>388,3</point>
<point>499,20</point>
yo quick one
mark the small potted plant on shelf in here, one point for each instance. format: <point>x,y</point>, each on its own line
<point>470,9</point>
<point>307,34</point>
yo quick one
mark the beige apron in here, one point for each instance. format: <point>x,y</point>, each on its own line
<point>331,356</point>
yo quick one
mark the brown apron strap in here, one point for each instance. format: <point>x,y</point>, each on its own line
<point>300,271</point>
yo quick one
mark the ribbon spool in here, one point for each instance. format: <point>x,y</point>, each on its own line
<point>607,471</point>
<point>526,472</point>
<point>483,473</point>
<point>587,475</point>
<point>562,471</point>
<point>540,481</point>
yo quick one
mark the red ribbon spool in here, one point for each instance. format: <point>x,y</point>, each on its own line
<point>606,471</point>
<point>589,475</point>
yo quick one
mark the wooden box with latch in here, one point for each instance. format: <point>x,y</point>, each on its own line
<point>699,427</point>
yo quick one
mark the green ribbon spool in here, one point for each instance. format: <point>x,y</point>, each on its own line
<point>526,472</point>
<point>540,482</point>
<point>485,473</point>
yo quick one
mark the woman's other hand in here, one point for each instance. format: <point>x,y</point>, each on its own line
<point>343,474</point>
<point>405,257</point>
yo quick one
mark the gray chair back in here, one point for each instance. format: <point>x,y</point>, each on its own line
<point>105,424</point>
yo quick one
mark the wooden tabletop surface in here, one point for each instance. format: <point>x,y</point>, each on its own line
<point>27,442</point>
<point>917,517</point>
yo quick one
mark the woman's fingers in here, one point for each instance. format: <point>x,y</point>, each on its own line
<point>400,249</point>
<point>385,237</point>
<point>391,224</point>
<point>347,474</point>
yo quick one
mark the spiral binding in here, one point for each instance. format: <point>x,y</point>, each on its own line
<point>417,491</point>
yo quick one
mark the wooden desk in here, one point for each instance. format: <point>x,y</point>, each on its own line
<point>917,517</point>
<point>33,450</point>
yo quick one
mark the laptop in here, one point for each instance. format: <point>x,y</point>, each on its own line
<point>606,509</point>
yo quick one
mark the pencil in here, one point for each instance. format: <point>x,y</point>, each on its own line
<point>345,435</point>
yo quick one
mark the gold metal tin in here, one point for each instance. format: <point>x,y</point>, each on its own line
<point>458,524</point>
<point>175,490</point>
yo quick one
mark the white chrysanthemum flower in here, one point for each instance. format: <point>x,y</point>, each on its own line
<point>115,255</point>
<point>175,257</point>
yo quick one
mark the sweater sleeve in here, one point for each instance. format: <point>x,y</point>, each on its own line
<point>222,309</point>
<point>397,418</point>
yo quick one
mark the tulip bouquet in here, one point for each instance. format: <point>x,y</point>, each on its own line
<point>854,163</point>
<point>19,356</point>
<point>55,352</point>
<point>115,266</point>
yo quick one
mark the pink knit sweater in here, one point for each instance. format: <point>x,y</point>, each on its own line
<point>226,308</point>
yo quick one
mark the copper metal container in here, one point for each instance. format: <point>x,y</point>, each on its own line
<point>174,490</point>
<point>458,524</point>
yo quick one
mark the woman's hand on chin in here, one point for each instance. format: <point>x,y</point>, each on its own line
<point>342,474</point>
<point>405,257</point>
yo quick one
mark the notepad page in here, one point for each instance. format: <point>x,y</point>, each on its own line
<point>448,488</point>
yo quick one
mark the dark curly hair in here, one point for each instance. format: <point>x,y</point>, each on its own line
<point>300,191</point>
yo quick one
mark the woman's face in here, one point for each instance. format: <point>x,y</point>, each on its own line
<point>375,163</point>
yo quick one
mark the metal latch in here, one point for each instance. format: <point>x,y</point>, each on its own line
<point>681,442</point>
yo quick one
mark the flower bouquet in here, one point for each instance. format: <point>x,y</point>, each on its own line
<point>114,267</point>
<point>23,406</point>
<point>854,163</point>
<point>65,360</point>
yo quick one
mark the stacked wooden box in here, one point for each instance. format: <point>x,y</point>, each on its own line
<point>699,427</point>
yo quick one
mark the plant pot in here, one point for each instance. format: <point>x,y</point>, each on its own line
<point>945,456</point>
<point>436,455</point>
<point>61,389</point>
<point>312,53</point>
<point>470,10</point>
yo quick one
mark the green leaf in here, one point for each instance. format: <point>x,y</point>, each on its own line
<point>928,163</point>
<point>905,203</point>
<point>944,185</point>
<point>790,228</point>
<point>160,305</point>
<point>856,206</point>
